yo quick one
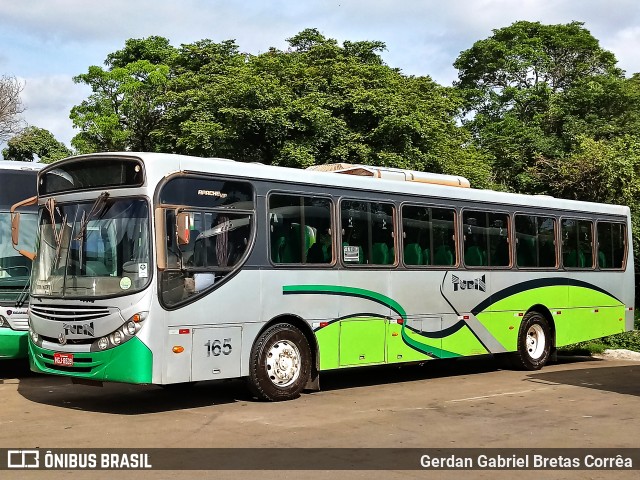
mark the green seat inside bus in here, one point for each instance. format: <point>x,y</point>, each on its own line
<point>277,248</point>
<point>475,256</point>
<point>380,254</point>
<point>602,261</point>
<point>575,259</point>
<point>413,254</point>
<point>292,251</point>
<point>526,252</point>
<point>444,256</point>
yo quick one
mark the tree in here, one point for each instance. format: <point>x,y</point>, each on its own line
<point>10,107</point>
<point>316,102</point>
<point>533,89</point>
<point>123,109</point>
<point>35,143</point>
<point>605,170</point>
<point>319,102</point>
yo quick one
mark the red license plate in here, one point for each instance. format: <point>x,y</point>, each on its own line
<point>63,359</point>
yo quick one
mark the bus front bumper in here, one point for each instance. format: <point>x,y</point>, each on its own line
<point>130,362</point>
<point>13,344</point>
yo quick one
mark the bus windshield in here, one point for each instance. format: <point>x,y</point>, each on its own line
<point>92,249</point>
<point>14,268</point>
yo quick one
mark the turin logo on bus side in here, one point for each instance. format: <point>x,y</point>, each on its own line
<point>475,284</point>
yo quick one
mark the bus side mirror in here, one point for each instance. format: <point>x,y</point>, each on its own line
<point>15,229</point>
<point>15,226</point>
<point>183,227</point>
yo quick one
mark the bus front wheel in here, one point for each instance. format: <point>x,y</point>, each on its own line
<point>280,363</point>
<point>534,342</point>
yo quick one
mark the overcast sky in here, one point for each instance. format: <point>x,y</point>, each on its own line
<point>46,42</point>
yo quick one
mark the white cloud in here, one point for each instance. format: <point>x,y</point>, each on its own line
<point>626,44</point>
<point>48,101</point>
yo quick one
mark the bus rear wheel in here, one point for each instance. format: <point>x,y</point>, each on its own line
<point>534,342</point>
<point>280,363</point>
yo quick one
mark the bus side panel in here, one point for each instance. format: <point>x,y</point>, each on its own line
<point>464,333</point>
<point>216,353</point>
<point>503,317</point>
<point>308,294</point>
<point>418,337</point>
<point>592,313</point>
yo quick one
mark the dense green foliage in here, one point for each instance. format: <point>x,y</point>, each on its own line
<point>533,91</point>
<point>317,102</point>
<point>35,144</point>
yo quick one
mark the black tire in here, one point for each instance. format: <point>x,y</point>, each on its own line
<point>534,343</point>
<point>280,363</point>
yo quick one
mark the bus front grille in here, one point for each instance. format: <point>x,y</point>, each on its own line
<point>69,313</point>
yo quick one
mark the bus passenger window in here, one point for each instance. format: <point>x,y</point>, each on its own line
<point>486,239</point>
<point>611,244</point>
<point>535,241</point>
<point>300,229</point>
<point>428,236</point>
<point>577,243</point>
<point>367,233</point>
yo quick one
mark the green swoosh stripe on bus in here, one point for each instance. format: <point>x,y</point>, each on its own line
<point>374,297</point>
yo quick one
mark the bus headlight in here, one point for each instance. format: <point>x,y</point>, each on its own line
<point>34,336</point>
<point>131,328</point>
<point>3,322</point>
<point>121,335</point>
<point>117,337</point>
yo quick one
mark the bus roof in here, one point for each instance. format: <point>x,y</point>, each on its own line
<point>160,165</point>
<point>11,165</point>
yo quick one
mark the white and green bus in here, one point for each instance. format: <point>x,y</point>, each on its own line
<point>17,182</point>
<point>165,269</point>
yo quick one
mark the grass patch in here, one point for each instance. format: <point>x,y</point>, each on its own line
<point>592,347</point>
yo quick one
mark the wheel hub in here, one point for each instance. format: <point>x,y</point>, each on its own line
<point>283,363</point>
<point>536,341</point>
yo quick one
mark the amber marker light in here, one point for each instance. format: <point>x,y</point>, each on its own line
<point>136,318</point>
<point>178,349</point>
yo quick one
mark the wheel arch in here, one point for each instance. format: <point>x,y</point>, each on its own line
<point>305,328</point>
<point>546,313</point>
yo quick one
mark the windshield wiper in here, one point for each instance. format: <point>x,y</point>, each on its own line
<point>57,236</point>
<point>97,206</point>
<point>24,294</point>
